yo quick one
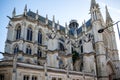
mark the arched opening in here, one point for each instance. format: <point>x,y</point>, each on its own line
<point>39,37</point>
<point>39,53</point>
<point>29,34</point>
<point>18,32</point>
<point>28,50</point>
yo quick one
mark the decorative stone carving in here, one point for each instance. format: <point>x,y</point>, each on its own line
<point>51,35</point>
<point>88,37</point>
<point>87,43</point>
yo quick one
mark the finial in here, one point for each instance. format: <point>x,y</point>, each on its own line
<point>108,17</point>
<point>14,12</point>
<point>66,29</point>
<point>25,10</point>
<point>84,26</point>
<point>58,26</point>
<point>53,22</point>
<point>37,16</point>
<point>46,20</point>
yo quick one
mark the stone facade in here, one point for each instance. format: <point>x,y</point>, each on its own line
<point>37,48</point>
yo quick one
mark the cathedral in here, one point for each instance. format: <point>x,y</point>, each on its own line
<point>38,48</point>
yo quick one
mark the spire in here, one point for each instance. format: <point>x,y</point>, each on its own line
<point>108,17</point>
<point>93,3</point>
<point>37,16</point>
<point>25,10</point>
<point>14,12</point>
<point>95,11</point>
<point>58,26</point>
<point>46,20</point>
<point>53,23</point>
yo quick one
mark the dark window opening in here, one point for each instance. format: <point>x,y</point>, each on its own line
<point>34,78</point>
<point>81,48</point>
<point>28,50</point>
<point>61,46</point>
<point>39,53</point>
<point>29,34</point>
<point>2,77</point>
<point>16,49</point>
<point>39,37</point>
<point>25,77</point>
<point>18,33</point>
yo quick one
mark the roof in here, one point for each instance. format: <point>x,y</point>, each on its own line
<point>42,19</point>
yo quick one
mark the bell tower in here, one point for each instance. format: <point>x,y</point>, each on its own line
<point>98,23</point>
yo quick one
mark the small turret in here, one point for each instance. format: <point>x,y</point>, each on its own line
<point>14,13</point>
<point>46,20</point>
<point>53,23</point>
<point>95,11</point>
<point>25,10</point>
<point>58,25</point>
<point>84,27</point>
<point>73,24</point>
<point>66,29</point>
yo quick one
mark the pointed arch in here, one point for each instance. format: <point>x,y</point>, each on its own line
<point>29,33</point>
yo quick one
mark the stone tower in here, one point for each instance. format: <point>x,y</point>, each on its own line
<point>98,41</point>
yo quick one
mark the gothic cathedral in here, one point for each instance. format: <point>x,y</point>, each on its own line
<point>37,48</point>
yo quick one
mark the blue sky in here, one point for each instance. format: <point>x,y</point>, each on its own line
<point>64,11</point>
